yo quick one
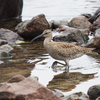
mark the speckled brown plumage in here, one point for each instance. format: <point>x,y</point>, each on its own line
<point>62,50</point>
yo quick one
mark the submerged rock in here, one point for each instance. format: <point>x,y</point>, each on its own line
<point>65,83</point>
<point>4,51</point>
<point>9,36</point>
<point>94,92</point>
<point>80,22</point>
<point>32,28</point>
<point>27,89</point>
<point>16,78</point>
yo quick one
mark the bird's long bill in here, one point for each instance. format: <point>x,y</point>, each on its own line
<point>36,37</point>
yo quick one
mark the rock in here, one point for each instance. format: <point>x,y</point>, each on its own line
<point>66,29</point>
<point>56,23</point>
<point>80,22</point>
<point>3,42</point>
<point>10,9</point>
<point>72,35</point>
<point>10,13</point>
<point>93,18</point>
<point>76,96</point>
<point>31,28</point>
<point>94,42</point>
<point>27,89</point>
<point>4,51</point>
<point>94,92</point>
<point>9,36</point>
<point>16,78</point>
<point>87,15</point>
<point>96,24</point>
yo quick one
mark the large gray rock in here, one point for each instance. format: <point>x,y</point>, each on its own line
<point>69,34</point>
<point>27,89</point>
<point>93,18</point>
<point>94,92</point>
<point>9,36</point>
<point>32,28</point>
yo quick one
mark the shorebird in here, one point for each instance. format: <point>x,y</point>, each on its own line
<point>62,50</point>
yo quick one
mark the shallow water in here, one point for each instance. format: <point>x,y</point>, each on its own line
<point>33,60</point>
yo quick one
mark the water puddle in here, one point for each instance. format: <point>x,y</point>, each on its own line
<point>83,70</point>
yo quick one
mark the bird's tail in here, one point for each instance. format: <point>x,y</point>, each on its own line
<point>91,52</point>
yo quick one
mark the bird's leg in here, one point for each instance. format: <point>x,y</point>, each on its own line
<point>67,67</point>
<point>55,63</point>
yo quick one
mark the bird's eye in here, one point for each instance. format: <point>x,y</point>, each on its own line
<point>46,33</point>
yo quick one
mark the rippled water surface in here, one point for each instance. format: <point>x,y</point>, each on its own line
<point>32,59</point>
<point>58,9</point>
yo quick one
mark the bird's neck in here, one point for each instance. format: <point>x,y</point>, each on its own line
<point>47,41</point>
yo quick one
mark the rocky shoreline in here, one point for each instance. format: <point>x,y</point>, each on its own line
<point>76,31</point>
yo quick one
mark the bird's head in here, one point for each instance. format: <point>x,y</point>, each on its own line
<point>46,33</point>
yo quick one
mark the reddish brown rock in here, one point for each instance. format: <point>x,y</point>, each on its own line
<point>31,28</point>
<point>27,89</point>
<point>80,22</point>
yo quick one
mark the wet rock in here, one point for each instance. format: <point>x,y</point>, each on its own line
<point>10,13</point>
<point>80,22</point>
<point>27,89</point>
<point>3,42</point>
<point>4,51</point>
<point>94,92</point>
<point>76,96</point>
<point>94,42</point>
<point>16,78</point>
<point>9,36</point>
<point>56,23</point>
<point>71,35</point>
<point>96,24</point>
<point>93,18</point>
<point>31,28</point>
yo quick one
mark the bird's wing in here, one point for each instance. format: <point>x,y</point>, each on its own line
<point>68,49</point>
